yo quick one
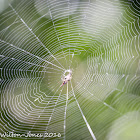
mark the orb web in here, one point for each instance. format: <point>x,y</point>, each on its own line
<point>41,39</point>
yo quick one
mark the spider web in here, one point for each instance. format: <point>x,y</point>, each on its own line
<point>97,40</point>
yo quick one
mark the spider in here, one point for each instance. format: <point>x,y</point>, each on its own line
<point>67,78</point>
